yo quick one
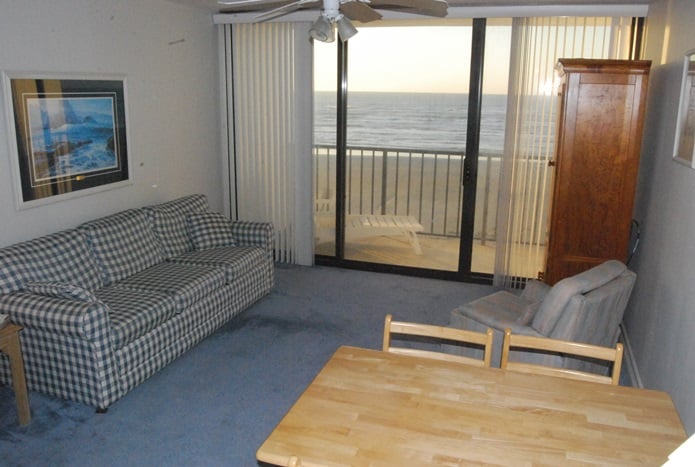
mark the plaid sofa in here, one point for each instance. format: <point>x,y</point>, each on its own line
<point>107,304</point>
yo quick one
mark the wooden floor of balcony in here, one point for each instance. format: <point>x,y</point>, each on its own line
<point>439,253</point>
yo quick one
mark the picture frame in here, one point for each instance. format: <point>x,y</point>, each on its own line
<point>68,135</point>
<point>684,145</point>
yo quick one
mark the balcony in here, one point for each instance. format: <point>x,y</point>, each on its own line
<point>424,184</point>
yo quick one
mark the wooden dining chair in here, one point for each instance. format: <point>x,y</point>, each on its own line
<point>441,333</point>
<point>556,346</point>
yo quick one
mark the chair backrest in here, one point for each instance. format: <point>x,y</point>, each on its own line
<point>441,333</point>
<point>544,344</point>
<point>555,302</point>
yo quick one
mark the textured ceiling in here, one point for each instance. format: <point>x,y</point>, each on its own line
<point>214,7</point>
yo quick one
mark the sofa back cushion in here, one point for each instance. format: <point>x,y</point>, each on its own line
<point>58,257</point>
<point>169,223</point>
<point>554,303</point>
<point>123,244</point>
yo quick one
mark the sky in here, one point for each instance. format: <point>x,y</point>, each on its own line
<point>415,59</point>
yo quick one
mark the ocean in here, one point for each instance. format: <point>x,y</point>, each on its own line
<point>420,121</point>
<point>414,181</point>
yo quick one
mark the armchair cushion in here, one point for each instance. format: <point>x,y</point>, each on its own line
<point>535,290</point>
<point>554,303</point>
<point>502,309</point>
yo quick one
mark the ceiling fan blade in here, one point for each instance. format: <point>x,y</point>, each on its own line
<point>422,7</point>
<point>240,6</point>
<point>359,11</point>
<point>285,9</point>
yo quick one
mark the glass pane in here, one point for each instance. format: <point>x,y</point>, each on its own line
<point>406,133</point>
<point>325,99</point>
<point>492,129</point>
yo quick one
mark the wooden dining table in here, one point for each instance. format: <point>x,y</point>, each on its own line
<point>373,408</point>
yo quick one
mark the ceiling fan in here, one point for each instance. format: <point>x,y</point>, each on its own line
<point>335,12</point>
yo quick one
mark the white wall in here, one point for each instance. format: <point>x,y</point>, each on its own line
<point>168,53</point>
<point>660,319</point>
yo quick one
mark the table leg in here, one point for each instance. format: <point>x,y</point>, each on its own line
<point>14,351</point>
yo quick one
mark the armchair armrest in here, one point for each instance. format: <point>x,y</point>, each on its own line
<point>63,316</point>
<point>535,291</point>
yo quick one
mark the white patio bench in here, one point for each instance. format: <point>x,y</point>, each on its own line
<point>369,225</point>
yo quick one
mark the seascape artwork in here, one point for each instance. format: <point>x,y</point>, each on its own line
<point>71,136</point>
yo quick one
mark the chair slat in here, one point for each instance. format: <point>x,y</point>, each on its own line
<point>609,354</point>
<point>440,333</point>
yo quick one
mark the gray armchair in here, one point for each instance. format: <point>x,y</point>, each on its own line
<point>586,308</point>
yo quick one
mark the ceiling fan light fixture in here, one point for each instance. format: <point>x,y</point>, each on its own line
<point>322,30</point>
<point>345,28</point>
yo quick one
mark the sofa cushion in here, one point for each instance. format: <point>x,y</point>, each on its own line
<point>235,261</point>
<point>210,230</point>
<point>123,244</point>
<point>554,303</point>
<point>60,290</point>
<point>59,257</point>
<point>134,313</point>
<point>171,232</point>
<point>169,223</point>
<point>185,283</point>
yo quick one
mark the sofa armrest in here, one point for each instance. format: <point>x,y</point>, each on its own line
<point>67,347</point>
<point>248,233</point>
<point>535,291</point>
<point>67,317</point>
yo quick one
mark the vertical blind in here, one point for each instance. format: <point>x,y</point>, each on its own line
<point>529,141</point>
<point>269,98</point>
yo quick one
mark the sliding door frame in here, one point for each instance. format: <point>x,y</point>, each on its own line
<point>463,273</point>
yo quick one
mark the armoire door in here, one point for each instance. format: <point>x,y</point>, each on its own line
<point>597,158</point>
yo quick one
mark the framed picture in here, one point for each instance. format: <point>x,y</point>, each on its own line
<point>684,147</point>
<point>69,134</point>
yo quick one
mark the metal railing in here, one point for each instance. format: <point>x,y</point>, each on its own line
<point>425,184</point>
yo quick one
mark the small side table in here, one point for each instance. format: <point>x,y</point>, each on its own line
<point>9,344</point>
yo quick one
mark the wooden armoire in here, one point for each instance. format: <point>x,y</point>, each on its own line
<point>597,153</point>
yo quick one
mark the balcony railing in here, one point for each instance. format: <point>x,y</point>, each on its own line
<point>422,183</point>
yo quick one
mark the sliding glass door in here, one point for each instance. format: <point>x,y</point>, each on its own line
<point>414,193</point>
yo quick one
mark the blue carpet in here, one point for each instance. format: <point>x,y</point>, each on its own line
<point>217,403</point>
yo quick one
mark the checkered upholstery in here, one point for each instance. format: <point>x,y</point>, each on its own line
<point>60,290</point>
<point>169,223</point>
<point>143,357</point>
<point>66,345</point>
<point>186,284</point>
<point>235,261</point>
<point>101,309</point>
<point>248,233</point>
<point>210,230</point>
<point>123,244</point>
<point>60,257</point>
<point>134,313</point>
